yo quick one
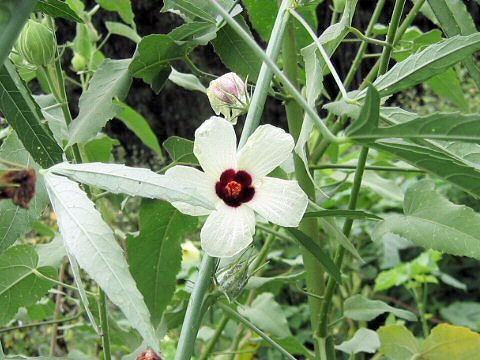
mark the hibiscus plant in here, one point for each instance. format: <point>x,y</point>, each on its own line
<point>223,202</point>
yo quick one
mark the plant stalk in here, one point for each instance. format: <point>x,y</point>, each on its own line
<point>104,326</point>
<point>295,116</point>
<point>331,285</point>
<point>368,167</point>
<point>191,323</point>
<point>214,339</point>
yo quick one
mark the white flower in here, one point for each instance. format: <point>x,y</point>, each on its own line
<point>237,184</point>
<point>228,96</point>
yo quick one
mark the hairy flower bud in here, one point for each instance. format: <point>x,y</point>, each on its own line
<point>228,96</point>
<point>37,44</point>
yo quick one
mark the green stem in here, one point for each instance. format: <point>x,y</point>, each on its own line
<point>214,339</point>
<point>257,50</point>
<point>265,75</point>
<point>323,145</point>
<point>363,37</point>
<point>374,168</point>
<point>347,227</point>
<point>392,30</point>
<point>331,285</point>
<point>295,116</point>
<point>104,325</point>
<point>191,323</point>
<point>235,315</point>
<point>42,323</point>
<point>421,311</point>
<point>324,54</point>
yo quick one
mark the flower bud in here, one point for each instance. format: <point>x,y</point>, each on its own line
<point>228,96</point>
<point>79,62</point>
<point>37,44</point>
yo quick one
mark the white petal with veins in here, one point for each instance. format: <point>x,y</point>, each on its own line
<point>215,146</point>
<point>266,148</point>
<point>281,202</point>
<point>228,231</point>
<point>190,177</point>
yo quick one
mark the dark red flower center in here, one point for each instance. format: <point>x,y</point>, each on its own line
<point>235,187</point>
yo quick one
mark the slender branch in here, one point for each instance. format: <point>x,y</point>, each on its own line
<point>215,337</point>
<point>324,54</point>
<point>370,40</point>
<point>104,326</point>
<point>235,315</point>
<point>392,30</point>
<point>265,75</point>
<point>41,323</point>
<point>58,310</point>
<point>323,145</point>
<point>192,319</point>
<point>368,167</point>
<point>257,50</point>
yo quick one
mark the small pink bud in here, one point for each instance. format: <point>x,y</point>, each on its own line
<point>228,96</point>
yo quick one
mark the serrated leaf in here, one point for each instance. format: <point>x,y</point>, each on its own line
<point>139,125</point>
<point>56,9</point>
<point>152,57</point>
<point>432,221</point>
<point>422,66</point>
<point>88,238</point>
<point>19,283</point>
<point>441,161</point>
<point>437,126</point>
<point>120,29</point>
<point>111,80</point>
<point>121,179</point>
<point>364,340</point>
<point>155,255</point>
<point>455,19</point>
<point>20,110</point>
<point>15,221</point>
<point>235,53</point>
<point>319,254</point>
<point>180,150</point>
<point>359,308</point>
<point>123,8</point>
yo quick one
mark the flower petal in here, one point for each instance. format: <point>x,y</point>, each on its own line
<point>215,146</point>
<point>228,231</point>
<point>266,148</point>
<point>190,177</point>
<point>281,202</point>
